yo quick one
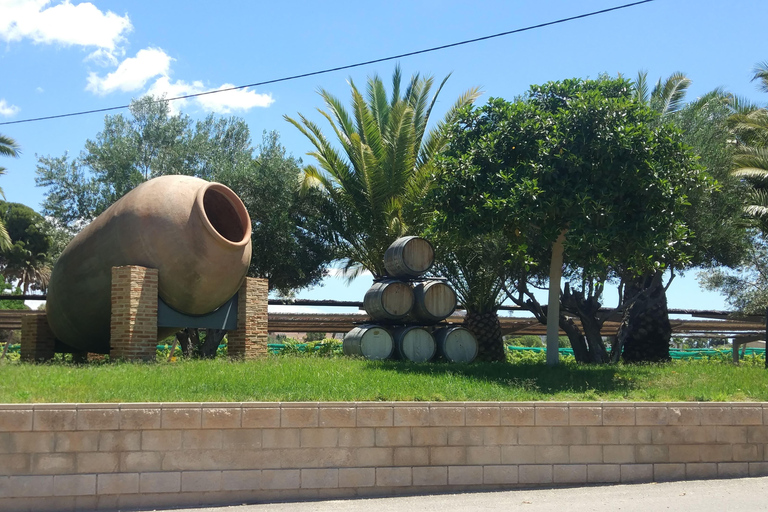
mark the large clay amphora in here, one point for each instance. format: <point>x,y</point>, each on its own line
<point>196,233</point>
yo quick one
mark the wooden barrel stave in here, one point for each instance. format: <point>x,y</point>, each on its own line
<point>388,300</point>
<point>409,257</point>
<point>434,300</point>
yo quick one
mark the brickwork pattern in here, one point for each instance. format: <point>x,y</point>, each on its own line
<point>37,339</point>
<point>82,456</point>
<point>249,341</point>
<point>133,324</point>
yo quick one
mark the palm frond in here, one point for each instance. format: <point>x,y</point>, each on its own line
<point>751,162</point>
<point>397,77</point>
<point>9,147</point>
<point>761,74</point>
<point>437,137</point>
<point>668,96</point>
<point>339,112</point>
<point>5,239</point>
<point>377,98</point>
<point>640,89</point>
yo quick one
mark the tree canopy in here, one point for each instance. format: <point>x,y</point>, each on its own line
<point>8,147</point>
<point>152,142</point>
<point>582,158</point>
<point>28,259</point>
<point>290,227</point>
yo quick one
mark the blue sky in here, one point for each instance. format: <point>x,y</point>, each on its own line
<point>60,57</point>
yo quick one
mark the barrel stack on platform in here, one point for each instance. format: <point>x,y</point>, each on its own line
<point>408,310</point>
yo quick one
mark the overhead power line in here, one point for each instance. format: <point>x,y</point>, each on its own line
<point>348,66</point>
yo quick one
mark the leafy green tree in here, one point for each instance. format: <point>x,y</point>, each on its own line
<point>579,159</point>
<point>8,147</point>
<point>27,261</point>
<point>8,289</point>
<point>290,225</point>
<point>377,181</point>
<point>131,150</point>
<point>151,142</point>
<point>745,287</point>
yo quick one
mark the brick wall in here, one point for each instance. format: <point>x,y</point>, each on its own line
<point>109,456</point>
<point>249,341</point>
<point>133,324</point>
<point>37,339</point>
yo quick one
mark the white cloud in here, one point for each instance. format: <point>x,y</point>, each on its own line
<point>133,73</point>
<point>7,110</point>
<point>64,23</point>
<point>237,100</point>
<point>83,24</point>
<point>164,87</point>
<point>221,103</point>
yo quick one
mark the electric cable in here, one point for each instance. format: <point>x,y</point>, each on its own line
<point>348,66</point>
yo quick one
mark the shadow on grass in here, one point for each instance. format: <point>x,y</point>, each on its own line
<point>529,376</point>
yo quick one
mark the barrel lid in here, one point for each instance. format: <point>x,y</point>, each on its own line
<point>460,345</point>
<point>416,344</point>
<point>376,343</point>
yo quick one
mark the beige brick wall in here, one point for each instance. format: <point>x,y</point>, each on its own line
<point>75,456</point>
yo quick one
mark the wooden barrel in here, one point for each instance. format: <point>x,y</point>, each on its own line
<point>414,343</point>
<point>370,341</point>
<point>434,300</point>
<point>409,256</point>
<point>388,300</point>
<point>456,344</point>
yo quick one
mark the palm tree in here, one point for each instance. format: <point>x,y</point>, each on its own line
<point>646,331</point>
<point>31,270</point>
<point>376,182</point>
<point>8,147</point>
<point>474,265</point>
<point>750,127</point>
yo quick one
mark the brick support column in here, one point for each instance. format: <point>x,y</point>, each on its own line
<point>37,339</point>
<point>133,323</point>
<point>249,341</point>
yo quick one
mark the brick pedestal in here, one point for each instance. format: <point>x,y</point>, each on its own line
<point>37,339</point>
<point>249,341</point>
<point>134,313</point>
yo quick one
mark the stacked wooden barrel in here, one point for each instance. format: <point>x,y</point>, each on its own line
<point>407,311</point>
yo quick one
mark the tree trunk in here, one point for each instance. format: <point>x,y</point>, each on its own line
<point>487,330</point>
<point>209,347</point>
<point>597,351</point>
<point>645,331</point>
<point>578,343</point>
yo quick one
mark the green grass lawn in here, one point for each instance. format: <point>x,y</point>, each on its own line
<point>297,378</point>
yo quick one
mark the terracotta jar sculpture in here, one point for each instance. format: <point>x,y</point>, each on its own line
<point>196,233</point>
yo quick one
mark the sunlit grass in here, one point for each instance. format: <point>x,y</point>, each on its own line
<point>285,378</point>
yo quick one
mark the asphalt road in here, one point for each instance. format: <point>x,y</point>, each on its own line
<point>744,494</point>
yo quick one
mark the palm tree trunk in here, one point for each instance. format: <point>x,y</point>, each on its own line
<point>487,330</point>
<point>645,331</point>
